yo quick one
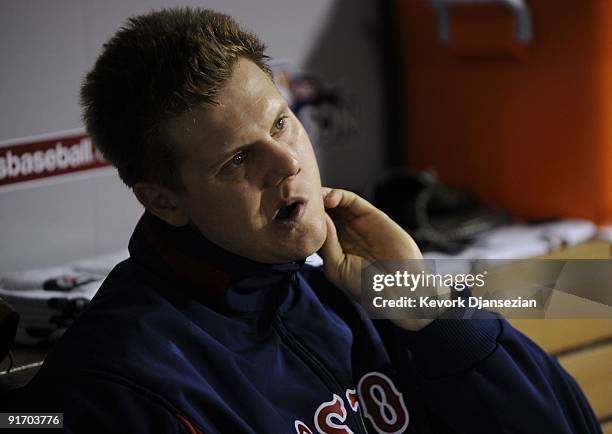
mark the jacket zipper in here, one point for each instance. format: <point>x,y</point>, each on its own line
<point>328,379</point>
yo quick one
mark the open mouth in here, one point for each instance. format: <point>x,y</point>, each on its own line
<point>290,212</point>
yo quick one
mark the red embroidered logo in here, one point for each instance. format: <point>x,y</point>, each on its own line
<point>383,405</point>
<point>352,399</point>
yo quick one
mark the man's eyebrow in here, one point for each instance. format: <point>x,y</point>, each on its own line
<point>283,107</point>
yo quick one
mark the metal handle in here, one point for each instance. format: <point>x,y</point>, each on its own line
<point>519,8</point>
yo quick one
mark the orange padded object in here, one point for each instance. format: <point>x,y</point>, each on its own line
<point>526,126</point>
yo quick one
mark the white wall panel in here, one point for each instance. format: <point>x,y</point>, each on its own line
<point>41,54</point>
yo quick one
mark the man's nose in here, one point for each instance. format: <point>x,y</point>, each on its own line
<point>281,163</point>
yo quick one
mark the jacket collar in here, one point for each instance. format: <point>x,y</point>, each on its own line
<point>210,273</point>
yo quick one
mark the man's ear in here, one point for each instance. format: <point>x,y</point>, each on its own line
<point>162,202</point>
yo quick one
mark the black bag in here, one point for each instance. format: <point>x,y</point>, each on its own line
<point>437,217</point>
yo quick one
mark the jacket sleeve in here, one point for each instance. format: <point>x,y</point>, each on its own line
<point>96,405</point>
<point>483,376</point>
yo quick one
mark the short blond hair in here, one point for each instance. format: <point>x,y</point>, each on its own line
<point>154,68</point>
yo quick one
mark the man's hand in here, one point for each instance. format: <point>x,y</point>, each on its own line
<point>357,231</point>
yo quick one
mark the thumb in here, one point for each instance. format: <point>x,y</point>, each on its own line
<point>331,251</point>
<point>340,268</point>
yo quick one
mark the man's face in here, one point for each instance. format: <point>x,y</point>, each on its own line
<point>252,184</point>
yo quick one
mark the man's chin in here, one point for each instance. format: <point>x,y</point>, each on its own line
<point>297,253</point>
<point>301,248</point>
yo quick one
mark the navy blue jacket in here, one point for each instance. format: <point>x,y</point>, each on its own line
<point>184,337</point>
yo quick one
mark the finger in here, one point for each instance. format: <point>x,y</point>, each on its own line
<point>331,251</point>
<point>347,200</point>
<point>332,198</point>
<point>327,192</point>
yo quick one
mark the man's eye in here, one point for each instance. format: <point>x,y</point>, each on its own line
<point>238,159</point>
<point>281,123</point>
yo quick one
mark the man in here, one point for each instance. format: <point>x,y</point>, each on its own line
<point>215,324</point>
